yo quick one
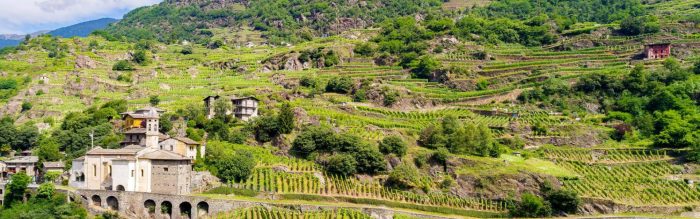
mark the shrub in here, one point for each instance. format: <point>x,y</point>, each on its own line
<point>140,57</point>
<point>26,106</point>
<point>236,167</point>
<point>342,164</point>
<point>308,81</point>
<point>341,84</point>
<point>123,65</point>
<point>154,100</point>
<point>393,144</point>
<point>563,201</point>
<point>391,97</point>
<point>403,176</point>
<point>369,161</point>
<point>365,49</point>
<point>187,50</point>
<point>531,206</point>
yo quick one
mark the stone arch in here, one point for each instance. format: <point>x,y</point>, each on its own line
<point>185,210</point>
<point>150,206</point>
<point>120,188</point>
<point>96,200</point>
<point>113,203</point>
<point>166,208</point>
<point>202,209</point>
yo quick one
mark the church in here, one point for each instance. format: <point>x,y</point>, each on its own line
<point>148,161</point>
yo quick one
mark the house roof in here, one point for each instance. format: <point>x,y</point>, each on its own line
<point>57,164</point>
<point>215,97</point>
<point>186,140</point>
<point>136,131</point>
<point>139,116</point>
<point>245,98</point>
<point>23,159</point>
<point>163,155</point>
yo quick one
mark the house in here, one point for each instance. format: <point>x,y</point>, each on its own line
<point>142,126</point>
<point>184,146</point>
<point>44,79</point>
<point>25,164</point>
<point>657,51</point>
<point>244,108</point>
<point>53,167</point>
<point>132,168</point>
<point>209,106</point>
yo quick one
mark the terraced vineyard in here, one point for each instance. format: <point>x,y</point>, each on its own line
<point>315,183</point>
<point>281,213</point>
<point>638,177</point>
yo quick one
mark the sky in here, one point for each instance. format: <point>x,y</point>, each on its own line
<point>28,16</point>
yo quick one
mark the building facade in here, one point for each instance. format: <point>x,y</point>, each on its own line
<point>657,51</point>
<point>244,108</point>
<point>149,162</point>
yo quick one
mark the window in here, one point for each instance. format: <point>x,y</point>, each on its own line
<point>94,170</point>
<point>110,170</point>
<point>165,169</point>
<point>132,173</point>
<point>171,147</point>
<point>141,172</point>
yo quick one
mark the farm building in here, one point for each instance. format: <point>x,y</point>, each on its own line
<point>657,51</point>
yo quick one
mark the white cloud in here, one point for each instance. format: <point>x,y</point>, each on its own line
<point>24,16</point>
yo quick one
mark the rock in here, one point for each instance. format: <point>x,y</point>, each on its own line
<point>85,62</point>
<point>164,86</point>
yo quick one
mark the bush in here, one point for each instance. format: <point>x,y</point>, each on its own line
<point>140,57</point>
<point>531,206</point>
<point>403,176</point>
<point>154,100</point>
<point>187,50</point>
<point>563,201</point>
<point>308,81</point>
<point>365,49</point>
<point>236,167</point>
<point>341,84</point>
<point>369,161</point>
<point>123,65</point>
<point>342,165</point>
<point>393,144</point>
<point>26,106</point>
<point>391,97</point>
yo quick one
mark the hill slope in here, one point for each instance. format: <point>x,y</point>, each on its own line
<point>83,29</point>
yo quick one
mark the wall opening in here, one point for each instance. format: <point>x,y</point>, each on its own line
<point>113,203</point>
<point>202,209</point>
<point>96,200</point>
<point>166,208</point>
<point>150,206</point>
<point>120,188</point>
<point>186,210</point>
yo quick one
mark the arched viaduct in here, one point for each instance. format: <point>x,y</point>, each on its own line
<point>162,206</point>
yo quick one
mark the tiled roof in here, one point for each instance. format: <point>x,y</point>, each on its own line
<point>244,98</point>
<point>57,164</point>
<point>186,140</point>
<point>163,155</point>
<point>23,159</point>
<point>128,150</point>
<point>136,131</point>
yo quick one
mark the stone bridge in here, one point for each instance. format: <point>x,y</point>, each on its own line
<point>151,205</point>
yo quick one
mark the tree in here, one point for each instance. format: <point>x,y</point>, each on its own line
<point>187,50</point>
<point>154,100</point>
<point>164,124</point>
<point>342,165</point>
<point>285,119</point>
<point>26,106</point>
<point>531,206</point>
<point>236,167</point>
<point>16,188</point>
<point>265,128</point>
<point>123,65</point>
<point>424,66</point>
<point>45,190</point>
<point>365,49</point>
<point>223,108</point>
<point>393,144</point>
<point>369,161</point>
<point>563,201</point>
<point>140,57</point>
<point>49,150</point>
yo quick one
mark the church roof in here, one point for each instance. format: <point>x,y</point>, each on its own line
<point>128,150</point>
<point>163,155</point>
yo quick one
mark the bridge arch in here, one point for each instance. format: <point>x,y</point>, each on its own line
<point>113,203</point>
<point>166,208</point>
<point>186,210</point>
<point>202,209</point>
<point>96,200</point>
<point>150,206</point>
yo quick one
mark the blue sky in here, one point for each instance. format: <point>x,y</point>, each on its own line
<point>28,16</point>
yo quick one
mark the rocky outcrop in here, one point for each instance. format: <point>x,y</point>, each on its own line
<point>85,62</point>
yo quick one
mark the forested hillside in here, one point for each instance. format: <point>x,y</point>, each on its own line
<point>460,108</point>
